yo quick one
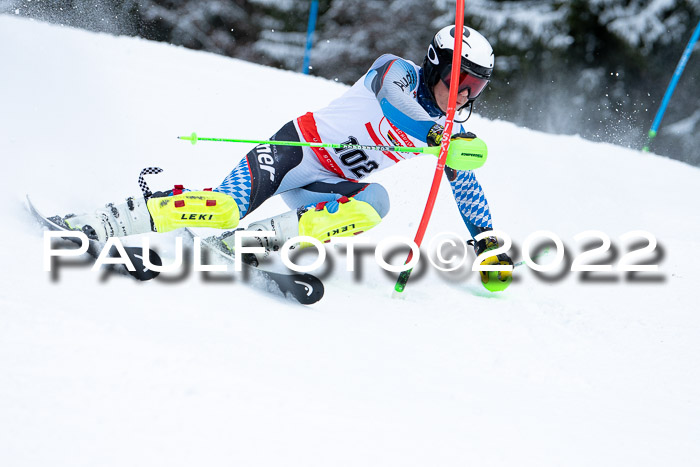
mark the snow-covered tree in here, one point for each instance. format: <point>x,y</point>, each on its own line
<point>594,67</point>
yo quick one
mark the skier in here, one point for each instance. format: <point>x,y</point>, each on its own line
<point>396,103</point>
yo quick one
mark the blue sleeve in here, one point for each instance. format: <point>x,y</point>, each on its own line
<point>393,81</point>
<point>470,200</point>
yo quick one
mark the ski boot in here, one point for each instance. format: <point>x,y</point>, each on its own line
<point>345,217</point>
<point>124,219</point>
<point>163,212</point>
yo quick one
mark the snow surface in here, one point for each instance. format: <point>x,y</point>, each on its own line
<point>103,370</point>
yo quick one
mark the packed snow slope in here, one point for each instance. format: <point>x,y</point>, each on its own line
<point>562,369</point>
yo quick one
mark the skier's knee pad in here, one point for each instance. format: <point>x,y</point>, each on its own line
<point>194,209</point>
<point>352,217</point>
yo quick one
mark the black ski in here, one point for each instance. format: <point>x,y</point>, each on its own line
<point>304,288</point>
<point>135,254</point>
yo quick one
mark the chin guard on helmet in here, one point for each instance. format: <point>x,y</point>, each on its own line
<point>470,104</point>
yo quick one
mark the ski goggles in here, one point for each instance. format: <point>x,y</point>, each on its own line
<point>466,81</point>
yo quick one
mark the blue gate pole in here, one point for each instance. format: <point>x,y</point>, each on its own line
<point>672,86</point>
<point>310,36</point>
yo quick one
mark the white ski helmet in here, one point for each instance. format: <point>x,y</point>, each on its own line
<point>476,64</point>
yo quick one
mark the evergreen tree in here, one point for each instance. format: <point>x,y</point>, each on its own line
<point>598,68</point>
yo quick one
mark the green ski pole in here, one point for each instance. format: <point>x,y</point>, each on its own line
<point>193,138</point>
<point>464,154</point>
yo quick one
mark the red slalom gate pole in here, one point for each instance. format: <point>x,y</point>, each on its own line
<point>444,144</point>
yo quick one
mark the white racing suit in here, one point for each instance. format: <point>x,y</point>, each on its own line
<point>387,106</point>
